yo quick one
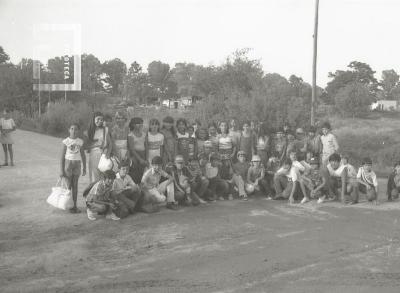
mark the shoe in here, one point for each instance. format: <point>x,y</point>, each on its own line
<point>230,197</point>
<point>74,210</point>
<point>304,200</point>
<point>91,215</point>
<point>172,206</point>
<point>244,197</point>
<point>112,216</point>
<point>321,199</point>
<point>202,201</point>
<point>221,198</point>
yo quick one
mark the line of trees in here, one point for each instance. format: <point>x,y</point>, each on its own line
<point>237,88</point>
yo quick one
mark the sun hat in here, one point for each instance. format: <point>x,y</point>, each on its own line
<point>299,130</point>
<point>179,159</point>
<point>240,153</point>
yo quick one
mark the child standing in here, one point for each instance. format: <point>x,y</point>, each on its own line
<point>183,139</point>
<point>329,143</point>
<point>314,145</point>
<point>367,181</point>
<point>99,142</point>
<point>72,160</point>
<point>169,133</point>
<point>226,150</point>
<point>202,136</point>
<point>263,143</point>
<point>7,126</point>
<point>213,136</point>
<point>279,145</point>
<point>119,135</point>
<point>154,141</point>
<point>247,140</point>
<point>137,149</point>
<point>393,183</point>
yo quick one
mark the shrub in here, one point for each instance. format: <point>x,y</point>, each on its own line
<point>60,115</point>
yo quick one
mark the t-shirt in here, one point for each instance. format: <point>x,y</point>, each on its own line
<point>367,177</point>
<point>253,173</point>
<point>155,142</point>
<point>329,145</point>
<point>99,192</point>
<point>335,173</point>
<point>211,172</point>
<point>241,169</point>
<point>137,142</point>
<point>225,146</point>
<point>121,184</point>
<point>7,123</point>
<point>74,146</point>
<point>151,178</point>
<point>291,174</point>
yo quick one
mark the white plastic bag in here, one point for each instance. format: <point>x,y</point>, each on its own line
<point>105,164</point>
<point>61,196</point>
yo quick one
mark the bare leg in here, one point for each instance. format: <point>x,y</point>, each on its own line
<point>74,188</point>
<point>5,154</point>
<point>10,150</point>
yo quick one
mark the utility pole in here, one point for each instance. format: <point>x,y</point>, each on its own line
<point>40,111</point>
<point>314,72</point>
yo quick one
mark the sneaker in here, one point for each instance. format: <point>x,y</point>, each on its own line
<point>230,197</point>
<point>202,201</point>
<point>112,216</point>
<point>304,200</point>
<point>221,198</point>
<point>91,215</point>
<point>321,199</point>
<point>244,197</point>
<point>172,206</point>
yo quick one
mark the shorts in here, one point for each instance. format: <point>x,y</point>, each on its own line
<point>72,168</point>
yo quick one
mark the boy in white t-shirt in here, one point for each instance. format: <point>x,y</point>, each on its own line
<point>73,159</point>
<point>285,181</point>
<point>367,181</point>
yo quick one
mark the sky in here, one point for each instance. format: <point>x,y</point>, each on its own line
<point>279,32</point>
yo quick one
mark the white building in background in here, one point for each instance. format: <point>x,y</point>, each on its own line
<point>386,105</point>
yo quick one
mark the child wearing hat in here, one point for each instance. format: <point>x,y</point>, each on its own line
<point>256,180</point>
<point>279,144</point>
<point>240,169</point>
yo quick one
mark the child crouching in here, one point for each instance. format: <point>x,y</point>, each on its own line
<point>99,200</point>
<point>153,190</point>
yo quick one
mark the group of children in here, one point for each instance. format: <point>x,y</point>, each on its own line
<point>179,164</point>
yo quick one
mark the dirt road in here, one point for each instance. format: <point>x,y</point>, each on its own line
<point>255,246</point>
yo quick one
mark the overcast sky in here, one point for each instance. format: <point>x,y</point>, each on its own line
<point>207,31</point>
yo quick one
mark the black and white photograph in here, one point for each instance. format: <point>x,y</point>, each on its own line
<point>200,146</point>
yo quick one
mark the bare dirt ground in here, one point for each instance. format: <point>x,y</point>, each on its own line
<point>255,246</point>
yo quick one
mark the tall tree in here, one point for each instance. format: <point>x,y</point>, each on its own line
<point>358,72</point>
<point>389,82</point>
<point>353,99</point>
<point>3,56</point>
<point>115,71</point>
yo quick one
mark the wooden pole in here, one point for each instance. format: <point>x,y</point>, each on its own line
<point>314,72</point>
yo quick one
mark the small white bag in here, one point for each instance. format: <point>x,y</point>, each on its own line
<point>61,196</point>
<point>104,164</point>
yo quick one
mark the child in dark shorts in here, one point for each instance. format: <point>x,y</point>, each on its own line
<point>72,159</point>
